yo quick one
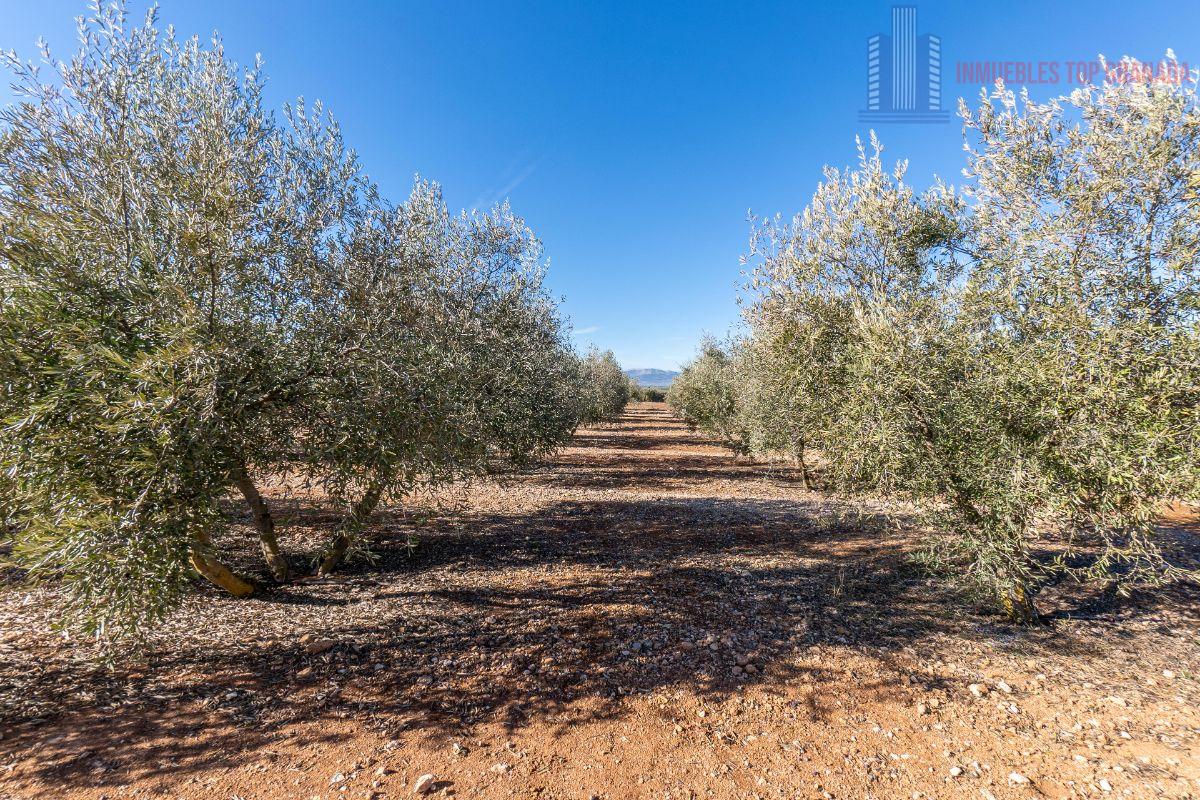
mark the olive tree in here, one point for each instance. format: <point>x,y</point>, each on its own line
<point>455,362</point>
<point>774,397</point>
<point>1085,294</point>
<point>606,388</point>
<point>1020,357</point>
<point>706,393</point>
<point>146,296</point>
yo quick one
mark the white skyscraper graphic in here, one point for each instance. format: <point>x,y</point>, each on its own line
<point>904,73</point>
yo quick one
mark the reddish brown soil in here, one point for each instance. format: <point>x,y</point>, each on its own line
<point>574,633</point>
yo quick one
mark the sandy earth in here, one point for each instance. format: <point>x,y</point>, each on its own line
<point>642,616</point>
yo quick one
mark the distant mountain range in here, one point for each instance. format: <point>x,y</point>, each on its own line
<point>659,378</point>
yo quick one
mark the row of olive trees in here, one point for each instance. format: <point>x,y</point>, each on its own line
<point>609,389</point>
<point>707,394</point>
<point>1021,356</point>
<point>648,394</point>
<point>195,294</point>
<point>735,392</point>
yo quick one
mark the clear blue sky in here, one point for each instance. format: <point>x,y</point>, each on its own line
<point>632,136</point>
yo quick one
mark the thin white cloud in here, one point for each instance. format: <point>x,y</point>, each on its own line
<point>587,330</point>
<point>493,196</point>
<point>518,180</point>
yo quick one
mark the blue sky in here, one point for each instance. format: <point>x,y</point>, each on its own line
<point>632,136</point>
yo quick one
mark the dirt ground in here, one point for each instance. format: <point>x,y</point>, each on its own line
<point>641,616</point>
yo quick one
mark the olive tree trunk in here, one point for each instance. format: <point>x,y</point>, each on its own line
<point>349,530</point>
<point>1017,603</point>
<point>264,523</point>
<point>799,451</point>
<point>216,572</point>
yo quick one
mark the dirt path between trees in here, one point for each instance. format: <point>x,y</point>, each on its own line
<point>641,616</point>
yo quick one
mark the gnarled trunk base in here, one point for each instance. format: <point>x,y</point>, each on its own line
<point>216,572</point>
<point>1017,603</point>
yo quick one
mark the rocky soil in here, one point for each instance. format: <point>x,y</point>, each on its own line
<point>642,616</point>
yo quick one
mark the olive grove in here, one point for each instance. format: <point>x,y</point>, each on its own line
<point>195,293</point>
<point>1019,355</point>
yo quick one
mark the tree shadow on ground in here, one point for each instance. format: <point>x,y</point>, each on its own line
<point>634,440</point>
<point>683,473</point>
<point>553,616</point>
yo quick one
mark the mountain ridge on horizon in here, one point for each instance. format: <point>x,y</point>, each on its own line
<point>653,377</point>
